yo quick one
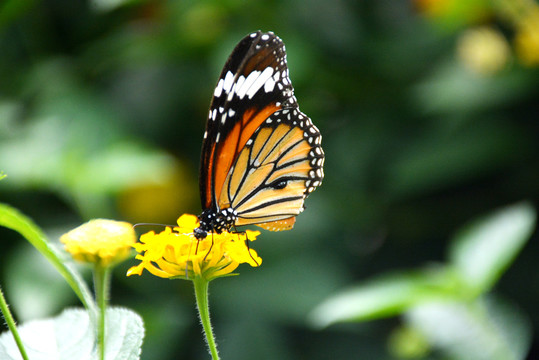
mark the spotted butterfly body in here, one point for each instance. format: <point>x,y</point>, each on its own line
<point>261,156</point>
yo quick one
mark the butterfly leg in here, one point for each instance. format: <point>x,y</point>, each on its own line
<point>211,247</point>
<point>247,244</point>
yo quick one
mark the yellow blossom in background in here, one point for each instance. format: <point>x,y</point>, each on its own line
<point>156,199</point>
<point>527,38</point>
<point>176,253</point>
<point>100,241</point>
<point>484,50</point>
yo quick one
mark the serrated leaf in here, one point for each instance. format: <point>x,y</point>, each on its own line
<point>482,251</point>
<point>486,329</point>
<point>67,336</point>
<point>124,334</point>
<point>387,296</point>
<point>71,335</point>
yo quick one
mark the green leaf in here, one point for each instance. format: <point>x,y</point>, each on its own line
<point>485,329</point>
<point>482,251</point>
<point>10,10</point>
<point>451,90</point>
<point>387,296</point>
<point>71,336</point>
<point>12,219</point>
<point>123,335</point>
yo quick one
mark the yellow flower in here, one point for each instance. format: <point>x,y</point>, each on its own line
<point>154,197</point>
<point>483,50</point>
<point>527,38</point>
<point>176,253</point>
<point>100,241</point>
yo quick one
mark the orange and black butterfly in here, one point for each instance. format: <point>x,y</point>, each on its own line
<point>261,156</point>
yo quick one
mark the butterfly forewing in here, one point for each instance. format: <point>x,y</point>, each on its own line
<point>253,85</point>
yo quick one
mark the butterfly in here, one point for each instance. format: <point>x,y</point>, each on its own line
<point>261,156</point>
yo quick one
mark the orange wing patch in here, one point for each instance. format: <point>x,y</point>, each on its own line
<point>236,140</point>
<point>280,225</point>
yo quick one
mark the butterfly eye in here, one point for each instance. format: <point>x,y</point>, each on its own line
<point>278,184</point>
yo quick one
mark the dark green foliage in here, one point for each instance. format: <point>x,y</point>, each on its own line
<point>102,110</point>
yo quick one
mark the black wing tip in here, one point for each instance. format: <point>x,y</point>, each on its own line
<point>264,36</point>
<point>259,33</point>
<point>248,45</point>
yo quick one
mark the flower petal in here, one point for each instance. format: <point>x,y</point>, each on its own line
<point>176,253</point>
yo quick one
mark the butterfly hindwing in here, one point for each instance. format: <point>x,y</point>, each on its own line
<point>278,167</point>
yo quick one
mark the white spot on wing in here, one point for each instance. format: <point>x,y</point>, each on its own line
<point>242,90</point>
<point>260,81</point>
<point>269,85</point>
<point>236,86</point>
<point>229,80</point>
<point>218,88</point>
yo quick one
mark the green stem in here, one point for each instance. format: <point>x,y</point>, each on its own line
<point>201,294</point>
<point>102,288</point>
<point>11,324</point>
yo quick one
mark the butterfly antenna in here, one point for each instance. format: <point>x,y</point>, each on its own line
<point>151,224</point>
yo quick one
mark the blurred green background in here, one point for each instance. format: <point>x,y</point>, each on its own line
<point>429,114</point>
